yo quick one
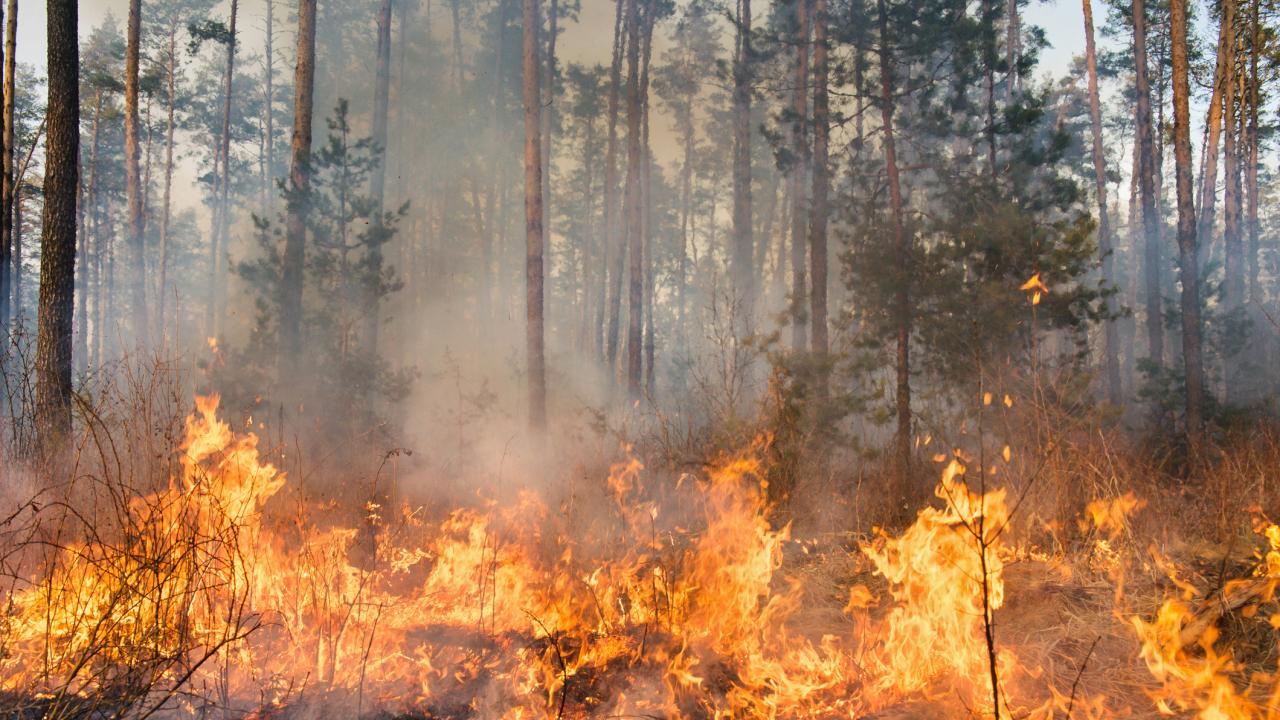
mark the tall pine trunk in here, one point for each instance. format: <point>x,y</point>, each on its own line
<point>269,109</point>
<point>1146,182</point>
<point>613,237</point>
<point>132,152</point>
<point>1209,172</point>
<point>162,262</point>
<point>58,238</point>
<point>635,239</point>
<point>1111,349</point>
<point>821,184</point>
<point>221,223</point>
<point>743,272</point>
<point>799,147</point>
<point>535,361</point>
<point>1232,210</point>
<point>1188,270</point>
<point>548,117</point>
<point>902,251</point>
<point>7,179</point>
<point>1251,170</point>
<point>646,233</point>
<point>378,178</point>
<point>290,304</point>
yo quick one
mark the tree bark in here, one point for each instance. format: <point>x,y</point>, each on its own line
<point>902,247</point>
<point>58,238</point>
<point>821,184</point>
<point>270,63</point>
<point>613,238</point>
<point>1232,208</point>
<point>743,272</point>
<point>548,122</point>
<point>635,239</point>
<point>222,232</point>
<point>1251,171</point>
<point>799,146</point>
<point>299,192</point>
<point>535,362</point>
<point>166,203</point>
<point>1146,174</point>
<point>378,178</point>
<point>133,182</point>
<point>646,234</point>
<point>1111,349</point>
<point>1189,270</point>
<point>6,170</point>
<point>1209,179</point>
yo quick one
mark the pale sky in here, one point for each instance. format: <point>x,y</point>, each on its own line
<point>1061,20</point>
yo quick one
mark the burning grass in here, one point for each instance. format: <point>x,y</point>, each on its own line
<point>215,591</point>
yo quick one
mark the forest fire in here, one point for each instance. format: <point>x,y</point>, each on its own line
<point>487,614</point>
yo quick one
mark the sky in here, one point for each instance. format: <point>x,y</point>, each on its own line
<point>1061,20</point>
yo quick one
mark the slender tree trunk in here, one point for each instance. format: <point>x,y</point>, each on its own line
<point>1013,45</point>
<point>646,235</point>
<point>299,193</point>
<point>743,272</point>
<point>535,362</point>
<point>548,123</point>
<point>93,264</point>
<point>378,178</point>
<point>221,221</point>
<point>269,110</point>
<point>1251,170</point>
<point>902,247</point>
<point>1147,170</point>
<point>614,238</point>
<point>635,238</point>
<point>821,182</point>
<point>166,203</point>
<point>1209,178</point>
<point>493,229</point>
<point>7,179</point>
<point>799,145</point>
<point>989,12</point>
<point>58,240</point>
<point>1189,270</point>
<point>1232,208</point>
<point>688,129</point>
<point>132,153</point>
<point>1111,349</point>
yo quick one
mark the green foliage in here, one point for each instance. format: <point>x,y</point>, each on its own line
<point>348,383</point>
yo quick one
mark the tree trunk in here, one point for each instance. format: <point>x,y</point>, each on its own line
<point>743,272</point>
<point>688,129</point>
<point>1251,171</point>
<point>902,299</point>
<point>1189,270</point>
<point>548,122</point>
<point>58,239</point>
<point>166,202</point>
<point>635,238</point>
<point>1232,208</point>
<point>222,223</point>
<point>1111,349</point>
<point>492,227</point>
<point>1209,179</point>
<point>378,178</point>
<point>613,238</point>
<point>535,362</point>
<point>1013,43</point>
<point>799,146</point>
<point>6,170</point>
<point>299,192</point>
<point>133,182</point>
<point>270,64</point>
<point>646,234</point>
<point>1146,174</point>
<point>821,183</point>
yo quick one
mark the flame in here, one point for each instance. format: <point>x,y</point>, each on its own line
<point>672,601</point>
